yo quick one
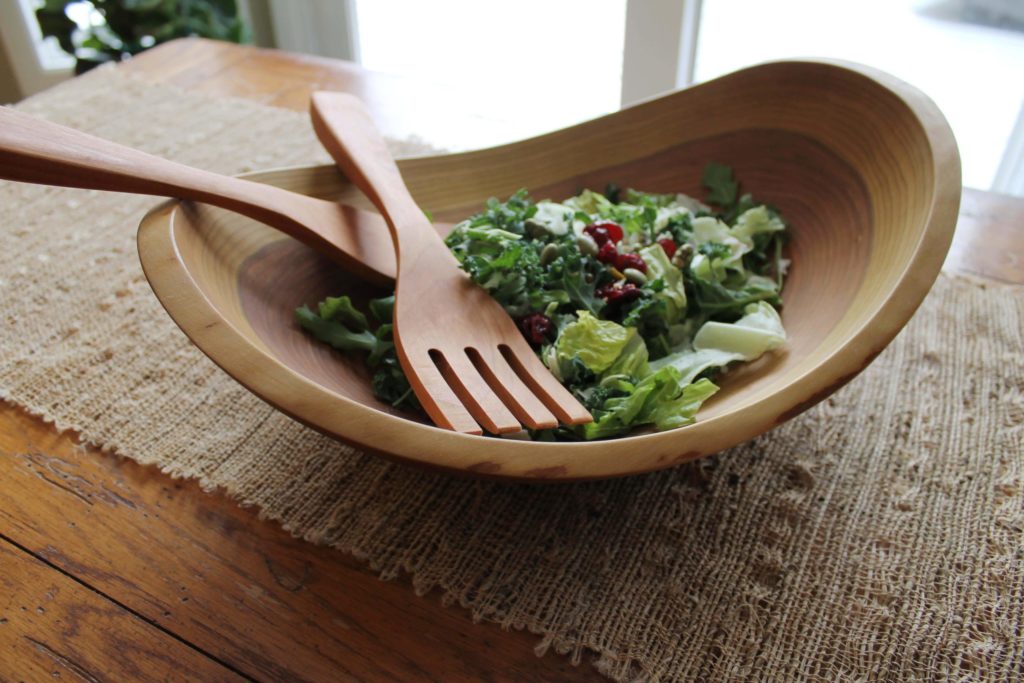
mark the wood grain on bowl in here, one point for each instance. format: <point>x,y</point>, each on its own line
<point>863,166</point>
<point>284,274</point>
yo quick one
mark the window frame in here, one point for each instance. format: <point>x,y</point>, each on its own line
<point>36,65</point>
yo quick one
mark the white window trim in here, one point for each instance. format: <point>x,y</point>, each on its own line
<point>322,27</point>
<point>1010,175</point>
<point>660,49</point>
<point>36,64</point>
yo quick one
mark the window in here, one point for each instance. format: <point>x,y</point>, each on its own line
<point>544,65</point>
<point>539,64</point>
<point>969,62</point>
<point>36,63</point>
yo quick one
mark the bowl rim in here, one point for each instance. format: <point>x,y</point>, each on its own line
<point>428,446</point>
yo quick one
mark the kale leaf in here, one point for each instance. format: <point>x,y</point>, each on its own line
<point>338,323</point>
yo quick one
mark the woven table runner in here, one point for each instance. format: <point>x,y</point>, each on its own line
<point>879,536</point>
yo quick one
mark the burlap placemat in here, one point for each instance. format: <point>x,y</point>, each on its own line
<point>880,536</point>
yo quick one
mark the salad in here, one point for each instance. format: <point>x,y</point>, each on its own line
<point>635,301</point>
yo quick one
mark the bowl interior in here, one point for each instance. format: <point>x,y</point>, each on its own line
<point>821,196</point>
<point>863,169</point>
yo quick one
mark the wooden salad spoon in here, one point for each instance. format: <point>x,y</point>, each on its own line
<point>36,151</point>
<point>466,360</point>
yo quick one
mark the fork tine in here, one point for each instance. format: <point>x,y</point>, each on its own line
<point>523,403</point>
<point>437,398</point>
<point>476,395</point>
<point>540,380</point>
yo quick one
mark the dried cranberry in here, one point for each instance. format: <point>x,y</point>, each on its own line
<point>634,261</point>
<point>668,245</point>
<point>614,231</point>
<point>608,253</point>
<point>604,232</point>
<point>536,327</point>
<point>619,293</point>
<point>629,293</point>
<point>598,233</point>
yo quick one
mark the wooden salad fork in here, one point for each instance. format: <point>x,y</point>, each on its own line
<point>36,151</point>
<point>465,358</point>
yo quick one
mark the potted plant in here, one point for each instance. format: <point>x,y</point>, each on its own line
<point>112,30</point>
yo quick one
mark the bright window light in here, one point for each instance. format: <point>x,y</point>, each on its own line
<point>542,64</point>
<point>973,70</point>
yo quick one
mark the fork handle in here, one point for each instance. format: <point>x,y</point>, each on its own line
<point>36,151</point>
<point>347,132</point>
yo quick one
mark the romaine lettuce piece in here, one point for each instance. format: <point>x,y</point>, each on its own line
<point>659,399</point>
<point>673,293</point>
<point>669,413</point>
<point>667,214</point>
<point>756,221</point>
<point>708,230</point>
<point>590,202</point>
<point>552,218</point>
<point>714,298</point>
<point>707,268</point>
<point>595,343</point>
<point>690,363</point>
<point>632,360</point>
<point>718,344</point>
<point>618,415</point>
<point>759,330</point>
<point>730,245</point>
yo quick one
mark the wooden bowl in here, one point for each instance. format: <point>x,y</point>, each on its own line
<point>863,166</point>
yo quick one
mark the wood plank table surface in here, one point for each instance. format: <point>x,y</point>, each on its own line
<point>113,571</point>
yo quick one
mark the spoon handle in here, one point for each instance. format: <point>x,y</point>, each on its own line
<point>36,151</point>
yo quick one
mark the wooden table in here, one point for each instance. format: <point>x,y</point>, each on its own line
<point>114,571</point>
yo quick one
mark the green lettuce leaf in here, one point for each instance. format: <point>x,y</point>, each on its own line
<point>632,360</point>
<point>590,202</point>
<point>674,292</point>
<point>756,221</point>
<point>759,330</point>
<point>670,413</point>
<point>618,415</point>
<point>718,344</point>
<point>597,344</point>
<point>659,399</point>
<point>716,294</point>
<point>551,218</point>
